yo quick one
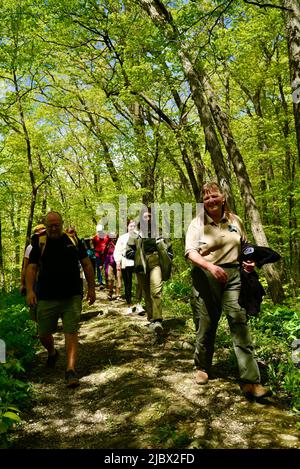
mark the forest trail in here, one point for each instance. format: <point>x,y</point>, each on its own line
<point>136,393</point>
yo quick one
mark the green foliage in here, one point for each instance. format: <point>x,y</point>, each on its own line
<point>77,75</point>
<point>279,321</point>
<point>291,382</point>
<point>223,338</point>
<point>285,377</point>
<point>13,390</point>
<point>274,330</point>
<point>81,87</point>
<point>18,333</point>
<point>169,437</point>
<point>9,299</point>
<point>9,419</point>
<point>179,287</point>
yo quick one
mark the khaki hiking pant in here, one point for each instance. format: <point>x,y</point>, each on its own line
<point>215,297</point>
<point>152,287</point>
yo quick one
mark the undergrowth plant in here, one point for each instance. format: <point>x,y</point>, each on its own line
<point>19,336</point>
<point>274,331</point>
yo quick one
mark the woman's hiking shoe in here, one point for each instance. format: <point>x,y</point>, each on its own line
<point>139,309</point>
<point>255,390</point>
<point>201,377</point>
<point>71,379</point>
<point>52,359</point>
<point>157,328</point>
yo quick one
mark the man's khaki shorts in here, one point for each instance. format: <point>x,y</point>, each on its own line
<point>49,311</point>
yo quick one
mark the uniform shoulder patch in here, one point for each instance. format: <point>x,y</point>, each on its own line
<point>248,250</point>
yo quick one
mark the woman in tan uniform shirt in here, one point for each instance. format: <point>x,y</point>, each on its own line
<point>213,244</point>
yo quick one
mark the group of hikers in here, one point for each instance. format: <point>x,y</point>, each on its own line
<point>217,247</point>
<point>107,252</point>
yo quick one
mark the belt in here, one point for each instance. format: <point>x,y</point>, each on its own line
<point>229,266</point>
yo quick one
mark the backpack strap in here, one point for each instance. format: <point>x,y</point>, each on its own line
<point>73,239</point>
<point>43,241</point>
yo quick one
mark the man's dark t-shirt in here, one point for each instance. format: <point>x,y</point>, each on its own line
<point>59,271</point>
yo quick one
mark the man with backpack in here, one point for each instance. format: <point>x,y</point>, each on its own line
<point>54,269</point>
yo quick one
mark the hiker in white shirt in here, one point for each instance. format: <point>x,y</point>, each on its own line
<point>126,267</point>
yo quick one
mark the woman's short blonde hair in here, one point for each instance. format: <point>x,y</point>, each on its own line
<point>213,185</point>
<point>209,186</point>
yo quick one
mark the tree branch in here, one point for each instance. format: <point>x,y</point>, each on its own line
<point>266,5</point>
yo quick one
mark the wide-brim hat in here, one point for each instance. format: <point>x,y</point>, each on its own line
<point>260,254</point>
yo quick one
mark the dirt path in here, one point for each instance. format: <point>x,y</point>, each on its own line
<point>136,393</point>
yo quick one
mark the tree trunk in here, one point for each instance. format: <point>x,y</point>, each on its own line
<point>199,165</point>
<point>207,122</point>
<point>148,163</point>
<point>2,274</point>
<point>245,186</point>
<point>183,179</point>
<point>16,234</point>
<point>191,144</point>
<point>289,173</point>
<point>29,159</point>
<point>266,167</point>
<point>292,18</point>
<point>162,18</point>
<point>190,170</point>
<point>94,128</point>
<point>44,195</point>
<point>181,144</point>
<point>110,164</point>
